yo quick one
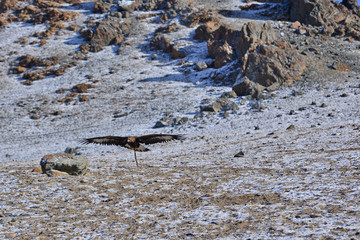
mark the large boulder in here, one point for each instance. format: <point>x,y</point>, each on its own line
<point>265,62</point>
<point>341,18</point>
<point>226,33</point>
<point>253,34</point>
<point>63,162</point>
<point>107,32</point>
<point>102,6</point>
<point>6,5</point>
<point>204,31</point>
<point>201,16</point>
<point>221,51</point>
<point>315,12</point>
<point>272,65</point>
<point>243,86</point>
<point>160,42</point>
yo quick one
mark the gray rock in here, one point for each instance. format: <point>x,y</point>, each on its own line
<point>182,120</point>
<point>215,107</point>
<point>240,154</point>
<point>316,13</point>
<point>231,94</point>
<point>63,162</point>
<point>244,86</point>
<point>160,124</point>
<point>253,34</point>
<point>71,150</point>
<point>6,220</point>
<point>200,66</point>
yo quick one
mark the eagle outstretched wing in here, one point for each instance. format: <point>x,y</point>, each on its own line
<point>107,140</point>
<point>156,138</point>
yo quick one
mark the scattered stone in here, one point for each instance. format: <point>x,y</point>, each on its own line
<point>160,42</point>
<point>82,87</point>
<point>7,220</point>
<point>18,69</point>
<point>182,121</point>
<point>37,170</point>
<point>63,162</point>
<point>56,173</point>
<point>301,31</point>
<point>102,6</point>
<point>295,25</point>
<point>302,108</point>
<point>160,124</point>
<point>323,105</point>
<point>35,117</point>
<point>201,16</point>
<point>240,154</point>
<point>258,105</point>
<point>221,51</point>
<point>200,66</point>
<point>215,107</point>
<point>231,94</point>
<point>291,127</point>
<point>107,32</point>
<point>243,86</point>
<point>340,66</point>
<point>71,150</point>
<point>173,27</point>
<point>204,32</point>
<point>297,93</point>
<point>344,95</point>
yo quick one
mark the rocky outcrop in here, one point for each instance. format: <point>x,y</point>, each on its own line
<point>266,63</point>
<point>244,86</point>
<point>252,35</point>
<point>6,5</point>
<point>227,34</point>
<point>173,27</point>
<point>201,16</point>
<point>205,31</point>
<point>352,5</point>
<point>73,165</point>
<point>107,32</point>
<point>274,65</point>
<point>221,40</point>
<point>37,11</point>
<point>221,51</point>
<point>315,12</point>
<point>102,6</point>
<point>221,104</point>
<point>341,18</point>
<point>160,42</point>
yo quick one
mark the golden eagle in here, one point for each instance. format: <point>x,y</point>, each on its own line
<point>133,142</point>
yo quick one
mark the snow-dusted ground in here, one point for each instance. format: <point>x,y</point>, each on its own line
<point>295,183</point>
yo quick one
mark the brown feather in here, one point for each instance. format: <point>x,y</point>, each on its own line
<point>107,140</point>
<point>157,138</point>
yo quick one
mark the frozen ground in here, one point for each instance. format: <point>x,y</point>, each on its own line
<point>298,178</point>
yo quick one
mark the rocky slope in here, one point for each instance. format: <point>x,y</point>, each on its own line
<point>266,95</point>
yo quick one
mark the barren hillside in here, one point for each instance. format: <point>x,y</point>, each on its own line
<point>268,105</point>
